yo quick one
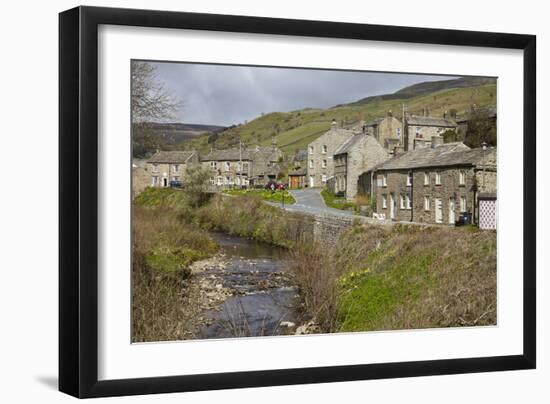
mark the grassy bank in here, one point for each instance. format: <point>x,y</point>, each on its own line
<point>165,244</point>
<point>247,216</point>
<point>264,194</point>
<point>404,278</point>
<point>337,202</point>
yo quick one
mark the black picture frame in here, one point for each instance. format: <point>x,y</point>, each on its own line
<point>78,201</point>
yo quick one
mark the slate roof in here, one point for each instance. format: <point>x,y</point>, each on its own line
<point>374,122</point>
<point>228,155</point>
<point>171,156</point>
<point>447,154</point>
<point>352,142</point>
<point>430,121</point>
<point>235,154</point>
<point>298,171</point>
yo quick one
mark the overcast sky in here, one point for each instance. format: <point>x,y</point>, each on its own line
<point>226,95</point>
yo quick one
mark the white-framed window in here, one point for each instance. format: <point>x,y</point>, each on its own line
<point>437,178</point>
<point>384,180</point>
<point>461,178</point>
<point>406,202</point>
<point>463,206</point>
<point>324,178</point>
<point>155,180</point>
<point>324,149</point>
<point>402,201</point>
<point>176,168</point>
<point>426,203</point>
<point>227,166</point>
<point>212,164</point>
<point>245,166</point>
<point>227,180</point>
<point>219,180</point>
<point>398,132</point>
<point>311,149</point>
<point>384,201</point>
<point>310,163</point>
<point>239,166</point>
<point>426,178</point>
<point>324,164</point>
<point>212,181</point>
<point>418,131</point>
<point>409,178</point>
<point>155,168</point>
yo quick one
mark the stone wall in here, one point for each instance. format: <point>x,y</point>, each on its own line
<point>390,128</point>
<point>362,158</point>
<point>162,173</point>
<point>448,192</point>
<point>320,162</point>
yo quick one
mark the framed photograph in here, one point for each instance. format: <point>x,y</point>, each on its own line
<point>251,201</point>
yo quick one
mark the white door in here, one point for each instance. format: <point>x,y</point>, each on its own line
<point>451,211</point>
<point>392,207</point>
<point>438,210</point>
<point>311,180</point>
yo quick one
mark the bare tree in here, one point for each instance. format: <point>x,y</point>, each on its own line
<point>150,100</point>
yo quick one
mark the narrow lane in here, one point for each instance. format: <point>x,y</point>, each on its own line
<point>309,200</point>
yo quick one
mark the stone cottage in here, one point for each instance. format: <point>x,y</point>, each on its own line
<point>418,130</point>
<point>357,155</point>
<point>387,130</point>
<point>169,167</point>
<point>320,164</point>
<point>243,167</point>
<point>435,184</point>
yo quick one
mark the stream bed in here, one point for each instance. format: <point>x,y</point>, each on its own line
<point>262,300</point>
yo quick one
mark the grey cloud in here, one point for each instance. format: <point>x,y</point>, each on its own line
<point>225,95</point>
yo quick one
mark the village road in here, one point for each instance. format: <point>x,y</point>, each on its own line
<point>309,200</point>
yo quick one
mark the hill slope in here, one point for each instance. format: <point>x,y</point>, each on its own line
<point>294,130</point>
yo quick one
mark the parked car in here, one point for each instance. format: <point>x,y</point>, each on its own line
<point>274,185</point>
<point>175,184</point>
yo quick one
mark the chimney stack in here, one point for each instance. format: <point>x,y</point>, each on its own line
<point>437,141</point>
<point>390,114</point>
<point>333,124</point>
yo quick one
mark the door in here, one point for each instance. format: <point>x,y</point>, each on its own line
<point>438,210</point>
<point>451,211</point>
<point>165,182</point>
<point>392,207</point>
<point>311,180</point>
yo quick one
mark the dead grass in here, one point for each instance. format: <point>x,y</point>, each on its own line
<point>163,248</point>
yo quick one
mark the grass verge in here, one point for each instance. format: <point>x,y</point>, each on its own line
<point>337,202</point>
<point>264,194</point>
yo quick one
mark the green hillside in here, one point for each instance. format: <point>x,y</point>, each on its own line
<point>294,130</point>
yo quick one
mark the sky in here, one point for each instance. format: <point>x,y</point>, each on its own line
<point>228,94</point>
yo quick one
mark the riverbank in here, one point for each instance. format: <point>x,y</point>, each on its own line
<point>373,278</point>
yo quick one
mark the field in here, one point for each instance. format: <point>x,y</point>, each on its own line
<point>294,130</point>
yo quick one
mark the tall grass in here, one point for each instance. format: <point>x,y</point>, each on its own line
<point>164,246</point>
<point>404,278</point>
<point>247,216</point>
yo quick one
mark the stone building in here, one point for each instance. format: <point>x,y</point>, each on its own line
<point>169,167</point>
<point>387,130</point>
<point>419,130</point>
<point>243,167</point>
<point>320,164</point>
<point>297,178</point>
<point>357,155</point>
<point>435,184</point>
